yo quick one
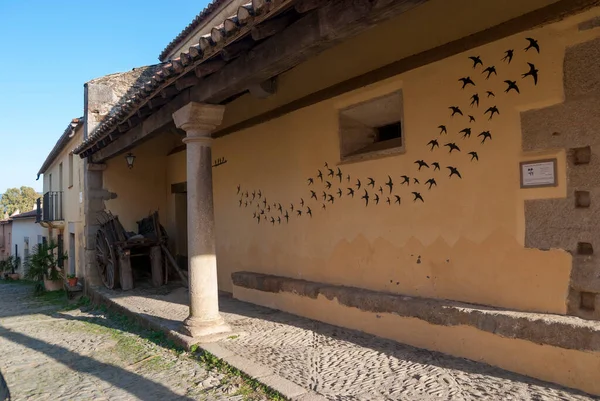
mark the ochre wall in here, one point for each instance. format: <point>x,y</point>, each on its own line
<point>144,188</point>
<point>465,242</point>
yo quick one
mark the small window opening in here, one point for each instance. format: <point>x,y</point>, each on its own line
<point>389,131</point>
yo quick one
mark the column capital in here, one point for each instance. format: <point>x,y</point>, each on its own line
<point>198,119</point>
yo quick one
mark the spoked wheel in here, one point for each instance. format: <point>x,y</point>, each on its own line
<point>106,261</point>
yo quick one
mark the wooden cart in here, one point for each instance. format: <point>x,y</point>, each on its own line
<point>115,247</point>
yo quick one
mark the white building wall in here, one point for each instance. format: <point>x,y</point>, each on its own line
<point>21,230</point>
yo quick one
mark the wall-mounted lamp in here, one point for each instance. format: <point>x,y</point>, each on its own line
<point>130,159</point>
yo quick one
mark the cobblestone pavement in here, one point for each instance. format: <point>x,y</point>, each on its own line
<point>46,354</point>
<point>344,364</point>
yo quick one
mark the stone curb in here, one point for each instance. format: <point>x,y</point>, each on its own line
<point>261,373</point>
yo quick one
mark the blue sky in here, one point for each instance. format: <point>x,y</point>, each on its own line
<point>49,49</point>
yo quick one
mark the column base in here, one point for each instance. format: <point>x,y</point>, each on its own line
<point>197,327</point>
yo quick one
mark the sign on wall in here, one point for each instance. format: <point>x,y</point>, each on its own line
<point>538,173</point>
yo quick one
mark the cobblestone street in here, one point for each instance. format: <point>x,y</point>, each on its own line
<point>47,354</point>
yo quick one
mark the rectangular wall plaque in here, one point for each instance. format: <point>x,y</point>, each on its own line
<point>538,173</point>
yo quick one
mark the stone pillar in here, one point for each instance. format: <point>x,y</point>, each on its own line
<point>198,121</point>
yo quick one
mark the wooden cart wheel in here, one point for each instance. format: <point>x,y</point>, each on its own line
<point>106,261</point>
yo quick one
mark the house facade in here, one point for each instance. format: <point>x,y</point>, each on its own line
<point>378,166</point>
<point>26,234</point>
<point>5,238</point>
<point>60,210</point>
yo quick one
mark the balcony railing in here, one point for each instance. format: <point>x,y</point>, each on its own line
<point>52,206</point>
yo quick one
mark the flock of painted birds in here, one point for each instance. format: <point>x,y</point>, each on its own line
<point>329,185</point>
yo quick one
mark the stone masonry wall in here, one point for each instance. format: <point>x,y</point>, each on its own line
<point>572,224</point>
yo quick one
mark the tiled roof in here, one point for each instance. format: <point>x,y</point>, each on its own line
<point>25,215</point>
<point>211,44</point>
<point>61,144</point>
<point>200,18</point>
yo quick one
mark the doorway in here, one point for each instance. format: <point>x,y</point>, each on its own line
<point>179,192</point>
<point>72,253</point>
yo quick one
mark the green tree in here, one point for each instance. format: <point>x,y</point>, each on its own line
<point>22,199</point>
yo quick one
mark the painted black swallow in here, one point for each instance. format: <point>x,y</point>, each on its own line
<point>253,195</point>
<point>310,181</point>
<point>298,212</point>
<point>279,208</point>
<point>475,100</point>
<point>324,196</point>
<point>390,183</point>
<point>254,215</point>
<point>508,55</point>
<point>274,204</point>
<point>258,219</point>
<point>466,81</point>
<point>272,221</point>
<point>357,183</point>
<point>240,203</point>
<point>246,204</point>
<point>436,166</point>
<point>490,94</point>
<point>442,128</point>
<point>380,189</point>
<point>376,199</point>
<point>533,72</point>
<point>417,196</point>
<point>326,165</point>
<point>259,194</point>
<point>476,60</point>
<point>302,202</point>
<point>433,143</point>
<point>327,185</point>
<point>492,110</point>
<point>452,146</point>
<point>246,194</point>
<point>512,85</point>
<point>265,202</point>
<point>471,119</point>
<point>278,220</point>
<point>466,133</point>
<point>406,180</point>
<point>348,178</point>
<point>313,194</point>
<point>323,206</point>
<point>339,174</point>
<point>453,171</point>
<point>455,110</point>
<point>331,173</point>
<point>398,200</point>
<point>351,192</point>
<point>265,216</point>
<point>490,70</point>
<point>366,198</point>
<point>330,198</point>
<point>388,201</point>
<point>269,208</point>
<point>416,181</point>
<point>287,217</point>
<point>421,163</point>
<point>339,192</point>
<point>485,135</point>
<point>431,182</point>
<point>371,182</point>
<point>532,44</point>
<point>320,175</point>
<point>474,156</point>
<point>308,211</point>
<point>239,188</point>
<point>262,211</point>
<point>292,207</point>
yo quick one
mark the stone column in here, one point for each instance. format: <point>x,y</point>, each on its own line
<point>198,121</point>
